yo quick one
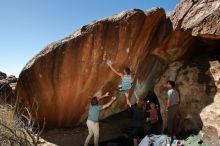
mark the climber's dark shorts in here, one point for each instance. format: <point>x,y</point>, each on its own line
<point>120,89</point>
<point>123,91</point>
<point>138,132</point>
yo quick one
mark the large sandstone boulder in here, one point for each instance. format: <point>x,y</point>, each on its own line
<point>210,115</point>
<point>62,78</point>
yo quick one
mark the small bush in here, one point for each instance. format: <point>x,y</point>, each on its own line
<point>17,131</point>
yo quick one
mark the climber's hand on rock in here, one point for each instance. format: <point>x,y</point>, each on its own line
<point>106,94</point>
<point>113,98</point>
<point>109,63</point>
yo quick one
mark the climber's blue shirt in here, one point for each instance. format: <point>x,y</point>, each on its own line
<point>94,111</point>
<point>126,83</point>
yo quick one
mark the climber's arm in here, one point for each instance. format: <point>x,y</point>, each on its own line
<point>116,72</point>
<point>103,96</point>
<point>167,104</point>
<point>109,103</point>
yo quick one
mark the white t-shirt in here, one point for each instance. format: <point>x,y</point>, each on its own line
<point>173,97</point>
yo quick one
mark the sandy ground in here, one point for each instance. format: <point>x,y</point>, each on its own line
<point>109,130</point>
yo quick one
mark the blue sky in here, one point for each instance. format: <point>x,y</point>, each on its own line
<point>27,26</point>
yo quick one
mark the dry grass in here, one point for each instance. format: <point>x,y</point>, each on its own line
<point>17,131</point>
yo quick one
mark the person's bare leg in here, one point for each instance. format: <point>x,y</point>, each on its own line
<point>135,141</point>
<point>126,94</point>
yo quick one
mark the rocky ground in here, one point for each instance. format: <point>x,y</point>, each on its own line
<point>110,132</point>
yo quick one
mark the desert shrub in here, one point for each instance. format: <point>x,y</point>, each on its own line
<point>17,130</point>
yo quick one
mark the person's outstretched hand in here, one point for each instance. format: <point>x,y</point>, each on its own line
<point>113,98</point>
<point>109,63</point>
<point>106,94</point>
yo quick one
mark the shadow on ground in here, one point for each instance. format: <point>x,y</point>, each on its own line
<point>110,132</point>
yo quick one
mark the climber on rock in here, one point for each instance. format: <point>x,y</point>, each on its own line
<point>172,109</point>
<point>126,78</point>
<point>93,118</point>
<point>139,116</point>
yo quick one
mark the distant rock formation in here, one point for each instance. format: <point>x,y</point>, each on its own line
<point>7,88</point>
<point>12,80</point>
<point>2,75</point>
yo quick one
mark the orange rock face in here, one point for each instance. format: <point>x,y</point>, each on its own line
<point>190,20</point>
<point>62,78</point>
